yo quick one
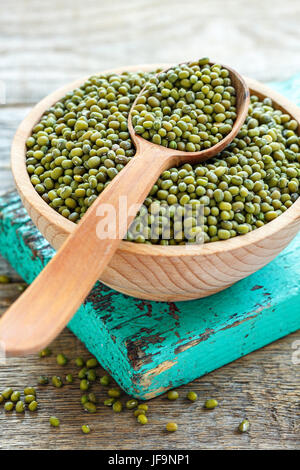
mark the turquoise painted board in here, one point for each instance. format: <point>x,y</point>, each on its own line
<point>150,347</point>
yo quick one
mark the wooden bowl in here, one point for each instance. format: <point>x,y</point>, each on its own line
<point>163,273</point>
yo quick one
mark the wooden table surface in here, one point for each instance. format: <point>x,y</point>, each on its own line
<point>44,48</point>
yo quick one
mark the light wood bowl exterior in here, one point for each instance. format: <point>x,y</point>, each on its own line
<point>163,273</point>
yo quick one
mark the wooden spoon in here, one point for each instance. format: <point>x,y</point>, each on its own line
<point>46,306</point>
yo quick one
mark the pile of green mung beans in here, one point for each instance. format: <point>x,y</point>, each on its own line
<point>82,143</point>
<point>189,107</point>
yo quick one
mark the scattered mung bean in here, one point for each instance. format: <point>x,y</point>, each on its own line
<point>105,380</point>
<point>171,427</point>
<point>91,363</point>
<point>20,407</point>
<point>109,401</point>
<point>90,407</point>
<point>244,426</point>
<point>131,404</point>
<point>55,422</point>
<point>114,392</point>
<point>79,361</point>
<point>29,391</point>
<point>192,396</point>
<point>143,406</point>
<point>84,385</point>
<point>142,419</point>
<point>45,353</point>
<point>82,373</point>
<point>211,404</point>
<point>61,359</point>
<point>91,375</point>
<point>7,392</point>
<point>29,398</point>
<point>172,395</point>
<point>56,381</point>
<point>15,396</point>
<point>9,406</point>
<point>43,380</point>
<point>84,399</point>
<point>117,406</point>
<point>85,429</point>
<point>92,397</point>
<point>33,405</point>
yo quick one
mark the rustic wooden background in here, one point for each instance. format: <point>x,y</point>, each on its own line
<point>43,46</point>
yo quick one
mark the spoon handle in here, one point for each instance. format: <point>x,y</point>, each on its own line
<point>47,305</point>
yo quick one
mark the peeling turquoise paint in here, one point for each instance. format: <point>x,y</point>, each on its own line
<point>149,347</point>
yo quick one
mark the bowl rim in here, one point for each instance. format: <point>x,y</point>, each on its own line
<point>64,225</point>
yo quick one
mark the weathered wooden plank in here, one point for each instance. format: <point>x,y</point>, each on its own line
<point>42,49</point>
<point>263,386</point>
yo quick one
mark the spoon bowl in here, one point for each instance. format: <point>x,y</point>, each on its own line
<point>179,157</point>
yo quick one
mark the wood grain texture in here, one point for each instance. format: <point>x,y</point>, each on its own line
<point>41,49</point>
<point>164,273</point>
